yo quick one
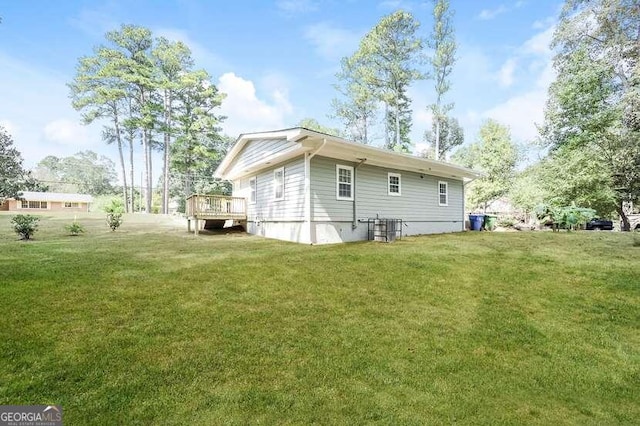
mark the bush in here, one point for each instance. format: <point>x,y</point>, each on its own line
<point>114,213</point>
<point>507,221</point>
<point>114,206</point>
<point>25,225</point>
<point>74,229</point>
<point>114,220</point>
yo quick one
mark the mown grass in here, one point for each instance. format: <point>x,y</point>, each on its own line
<point>153,325</point>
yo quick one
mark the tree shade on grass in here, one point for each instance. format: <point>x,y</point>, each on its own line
<point>152,325</point>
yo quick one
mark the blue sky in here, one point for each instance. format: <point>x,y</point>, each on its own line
<point>276,60</point>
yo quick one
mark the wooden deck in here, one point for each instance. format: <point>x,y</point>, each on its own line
<point>214,208</point>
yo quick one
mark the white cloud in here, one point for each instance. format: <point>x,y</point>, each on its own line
<point>540,43</point>
<point>488,14</point>
<point>505,75</point>
<point>96,21</point>
<point>33,97</point>
<point>248,113</point>
<point>330,42</point>
<point>524,110</point>
<point>9,127</point>
<point>296,7</point>
<point>521,113</point>
<point>66,132</point>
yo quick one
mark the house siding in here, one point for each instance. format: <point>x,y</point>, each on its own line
<point>259,150</point>
<point>417,205</point>
<point>266,208</point>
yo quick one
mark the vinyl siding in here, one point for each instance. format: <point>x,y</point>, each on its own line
<point>266,208</point>
<point>418,202</point>
<point>257,151</point>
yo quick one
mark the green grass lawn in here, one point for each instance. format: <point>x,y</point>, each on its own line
<point>151,325</point>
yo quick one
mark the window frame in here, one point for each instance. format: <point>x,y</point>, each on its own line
<point>34,205</point>
<point>276,185</point>
<point>350,169</point>
<point>389,192</point>
<point>71,205</point>
<point>445,193</point>
<point>253,190</point>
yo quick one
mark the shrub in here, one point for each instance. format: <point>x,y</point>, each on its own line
<point>114,220</point>
<point>25,225</point>
<point>114,213</point>
<point>114,206</point>
<point>74,228</point>
<point>507,221</point>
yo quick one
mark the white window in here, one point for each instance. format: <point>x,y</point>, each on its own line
<point>252,190</point>
<point>443,193</point>
<point>278,184</point>
<point>34,204</point>
<point>71,205</point>
<point>344,182</point>
<point>394,184</point>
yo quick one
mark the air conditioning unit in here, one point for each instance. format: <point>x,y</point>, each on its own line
<point>385,230</point>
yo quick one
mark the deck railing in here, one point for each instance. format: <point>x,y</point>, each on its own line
<point>216,206</point>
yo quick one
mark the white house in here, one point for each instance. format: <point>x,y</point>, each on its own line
<point>309,187</point>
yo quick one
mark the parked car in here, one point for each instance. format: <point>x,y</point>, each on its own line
<point>599,225</point>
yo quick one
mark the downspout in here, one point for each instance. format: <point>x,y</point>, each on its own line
<point>354,224</point>
<point>307,188</point>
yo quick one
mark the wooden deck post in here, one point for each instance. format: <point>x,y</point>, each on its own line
<point>196,225</point>
<point>188,225</point>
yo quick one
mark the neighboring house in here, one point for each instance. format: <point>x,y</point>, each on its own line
<point>309,187</point>
<point>48,201</point>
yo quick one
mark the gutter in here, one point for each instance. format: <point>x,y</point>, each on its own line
<point>354,223</point>
<point>313,154</point>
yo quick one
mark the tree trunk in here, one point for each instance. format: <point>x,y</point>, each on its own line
<point>122,165</point>
<point>167,142</point>
<point>131,171</point>
<point>437,147</point>
<point>625,226</point>
<point>149,183</point>
<point>145,176</point>
<point>397,126</point>
<point>365,131</point>
<point>387,141</point>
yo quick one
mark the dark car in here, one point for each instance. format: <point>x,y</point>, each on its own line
<point>599,225</point>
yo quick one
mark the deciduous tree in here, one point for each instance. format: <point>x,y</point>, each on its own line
<point>593,105</point>
<point>450,133</point>
<point>496,155</point>
<point>13,177</point>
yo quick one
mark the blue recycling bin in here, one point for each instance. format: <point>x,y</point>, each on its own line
<point>476,221</point>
